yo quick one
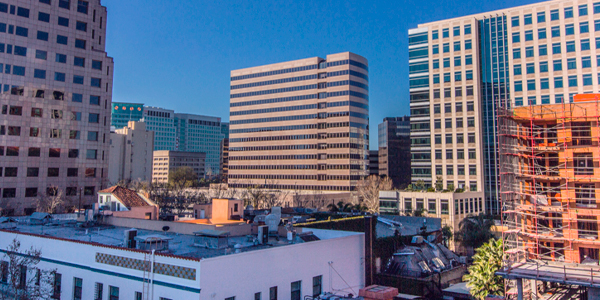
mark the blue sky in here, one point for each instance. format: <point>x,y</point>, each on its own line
<point>178,54</point>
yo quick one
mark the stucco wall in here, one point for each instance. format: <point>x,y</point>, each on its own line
<point>179,227</point>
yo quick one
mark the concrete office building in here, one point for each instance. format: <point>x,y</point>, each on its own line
<point>177,132</point>
<point>56,93</point>
<point>300,124</point>
<point>130,156</point>
<point>167,161</point>
<point>462,69</point>
<point>394,150</point>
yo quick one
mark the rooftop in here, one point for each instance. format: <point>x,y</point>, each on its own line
<point>128,197</point>
<point>178,244</point>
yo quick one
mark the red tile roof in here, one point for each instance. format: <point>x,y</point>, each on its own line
<point>128,197</point>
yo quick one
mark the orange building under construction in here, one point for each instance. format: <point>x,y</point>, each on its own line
<point>549,182</point>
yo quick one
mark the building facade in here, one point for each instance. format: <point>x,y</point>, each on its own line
<point>56,97</point>
<point>462,69</point>
<point>177,132</point>
<point>394,150</point>
<point>300,124</point>
<point>166,161</point>
<point>131,150</point>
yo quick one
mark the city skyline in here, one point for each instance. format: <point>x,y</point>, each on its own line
<point>378,31</point>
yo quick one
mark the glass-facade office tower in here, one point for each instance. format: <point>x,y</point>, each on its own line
<point>55,101</point>
<point>461,69</point>
<point>177,132</point>
<point>394,150</point>
<point>300,124</point>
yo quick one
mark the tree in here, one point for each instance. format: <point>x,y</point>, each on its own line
<point>182,178</point>
<point>368,189</point>
<point>439,183</point>
<point>475,230</point>
<point>52,201</point>
<point>340,207</point>
<point>36,286</point>
<point>482,278</point>
<point>447,234</point>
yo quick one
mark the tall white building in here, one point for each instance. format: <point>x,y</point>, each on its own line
<point>55,101</point>
<point>130,156</point>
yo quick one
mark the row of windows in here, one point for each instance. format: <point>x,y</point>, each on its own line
<point>52,172</point>
<point>300,107</point>
<point>321,156</point>
<point>92,136</point>
<point>12,29</point>
<point>586,62</point>
<point>55,95</point>
<point>20,11</point>
<point>299,69</point>
<point>79,25</point>
<point>556,48</point>
<point>299,147</point>
<point>61,39</point>
<point>297,167</point>
<point>41,74</point>
<point>302,117</point>
<point>545,99</point>
<point>460,153</point>
<point>458,107</point>
<point>295,137</point>
<point>455,32</point>
<point>294,187</point>
<point>33,192</point>
<point>62,58</point>
<point>554,15</point>
<point>52,152</point>
<point>276,81</point>
<point>302,88</point>
<point>460,138</point>
<point>54,113</point>
<point>82,6</point>
<point>544,83</point>
<point>457,77</point>
<point>458,92</point>
<point>296,177</point>
<point>298,98</point>
<point>345,62</point>
<point>435,49</point>
<point>555,31</point>
<point>460,170</point>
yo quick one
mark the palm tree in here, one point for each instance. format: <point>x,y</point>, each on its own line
<point>475,230</point>
<point>446,234</point>
<point>340,207</point>
<point>482,278</point>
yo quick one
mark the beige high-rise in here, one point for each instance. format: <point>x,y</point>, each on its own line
<point>462,69</point>
<point>130,156</point>
<point>300,124</point>
<point>55,101</point>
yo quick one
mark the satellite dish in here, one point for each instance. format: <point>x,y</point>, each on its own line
<point>166,228</point>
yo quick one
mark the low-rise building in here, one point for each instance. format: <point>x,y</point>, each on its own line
<point>123,202</point>
<point>130,156</point>
<point>448,206</point>
<point>191,261</point>
<point>167,161</point>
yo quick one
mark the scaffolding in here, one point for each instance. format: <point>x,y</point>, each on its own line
<point>549,175</point>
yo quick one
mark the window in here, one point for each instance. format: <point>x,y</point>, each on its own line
<point>555,31</point>
<point>73,153</point>
<point>468,60</point>
<point>569,29</point>
<point>10,172</point>
<point>518,86</point>
<point>445,32</point>
<point>584,27</point>
<point>531,85</point>
<point>587,79</point>
<point>446,47</point>
<point>40,54</point>
<point>545,99</point>
<point>113,293</point>
<point>543,67</point>
<point>61,58</point>
<point>9,193</point>
<point>469,75</point>
<point>40,74</point>
<point>79,61</point>
<point>34,152</point>
<point>543,50</point>
<point>94,118</point>
<point>436,108</point>
<point>468,45</point>
<point>472,170</point>
<point>59,76</point>
<point>449,170</point>
<point>529,35</point>
<point>44,17</point>
<point>529,52</point>
<point>77,287</point>
<point>75,116</point>
<point>63,21</point>
<point>457,61</point>
<point>97,64</point>
<point>91,154</point>
<point>467,29</point>
<point>541,17</point>
<point>544,84</point>
<point>55,133</point>
<point>584,163</point>
<point>527,19</point>
<point>530,68</point>
<point>93,136</point>
<point>516,37</point>
<point>568,12</point>
<point>456,46</point>
<point>79,44</point>
<point>596,7</point>
<point>54,152</point>
<point>471,122</point>
<point>557,65</point>
<point>460,138</point>
<point>94,100</point>
<point>61,39</point>
<point>573,81</point>
<point>434,35</point>
<point>517,53</point>
<point>438,139</point>
<point>585,44</point>
<point>570,46</point>
<point>554,15</point>
<point>81,26</point>
<point>77,98</point>
<point>556,48</point>
<point>436,64</point>
<point>34,132</point>
<point>471,138</point>
<point>273,293</point>
<point>532,100</point>
<point>82,7</point>
<point>296,290</point>
<point>558,82</point>
<point>138,296</point>
<point>95,82</point>
<point>456,31</point>
<point>436,78</point>
<point>77,79</point>
<point>446,63</point>
<point>56,286</point>
<point>435,49</point>
<point>72,172</point>
<point>257,296</point>
<point>583,11</point>
<point>515,21</point>
<point>586,62</point>
<point>33,172</point>
<point>517,70</point>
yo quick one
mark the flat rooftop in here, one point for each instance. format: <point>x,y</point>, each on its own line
<point>179,244</point>
<point>563,273</point>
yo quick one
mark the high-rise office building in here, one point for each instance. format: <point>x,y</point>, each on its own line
<point>374,162</point>
<point>462,69</point>
<point>177,132</point>
<point>130,156</point>
<point>300,124</point>
<point>394,150</point>
<point>56,96</point>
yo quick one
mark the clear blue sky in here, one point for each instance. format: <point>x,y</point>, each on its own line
<point>177,54</point>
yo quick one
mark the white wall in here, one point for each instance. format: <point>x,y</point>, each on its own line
<point>244,274</point>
